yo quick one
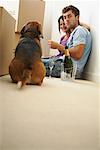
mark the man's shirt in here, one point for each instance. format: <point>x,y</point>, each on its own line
<point>80,35</point>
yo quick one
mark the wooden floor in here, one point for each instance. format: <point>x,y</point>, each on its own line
<point>59,115</point>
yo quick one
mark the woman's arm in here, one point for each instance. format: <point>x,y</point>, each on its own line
<point>85,25</point>
<point>55,45</point>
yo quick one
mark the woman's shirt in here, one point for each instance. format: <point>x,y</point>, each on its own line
<point>63,41</point>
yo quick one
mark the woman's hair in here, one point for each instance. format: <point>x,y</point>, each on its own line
<point>60,18</point>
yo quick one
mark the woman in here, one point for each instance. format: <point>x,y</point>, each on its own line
<point>64,38</point>
<point>55,61</point>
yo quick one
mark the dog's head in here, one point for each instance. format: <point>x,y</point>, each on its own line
<point>33,29</point>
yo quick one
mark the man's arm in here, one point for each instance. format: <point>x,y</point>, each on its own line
<point>75,52</point>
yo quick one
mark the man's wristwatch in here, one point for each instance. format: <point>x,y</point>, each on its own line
<point>66,52</point>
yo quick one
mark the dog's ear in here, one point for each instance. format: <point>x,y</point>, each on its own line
<point>39,29</point>
<point>23,30</point>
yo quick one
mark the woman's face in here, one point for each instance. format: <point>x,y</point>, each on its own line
<point>62,26</point>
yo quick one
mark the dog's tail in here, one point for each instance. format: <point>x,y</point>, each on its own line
<point>26,78</point>
<point>19,84</point>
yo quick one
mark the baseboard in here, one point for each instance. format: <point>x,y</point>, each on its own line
<point>3,74</point>
<point>92,77</point>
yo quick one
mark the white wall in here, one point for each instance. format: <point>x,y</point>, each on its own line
<point>89,14</point>
<point>89,10</point>
<point>11,6</point>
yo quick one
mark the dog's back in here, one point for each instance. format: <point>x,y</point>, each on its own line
<point>28,51</point>
<point>27,54</point>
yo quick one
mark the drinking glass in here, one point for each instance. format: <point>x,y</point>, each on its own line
<point>51,64</point>
<point>68,74</point>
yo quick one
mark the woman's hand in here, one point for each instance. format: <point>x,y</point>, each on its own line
<point>55,45</point>
<point>52,44</point>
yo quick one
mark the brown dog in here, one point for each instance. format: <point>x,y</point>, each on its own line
<point>27,67</point>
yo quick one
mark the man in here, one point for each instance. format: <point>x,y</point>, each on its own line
<point>79,43</point>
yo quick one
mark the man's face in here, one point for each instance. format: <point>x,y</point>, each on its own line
<point>70,20</point>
